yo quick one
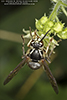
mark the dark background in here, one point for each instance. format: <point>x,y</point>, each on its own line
<point>14,19</point>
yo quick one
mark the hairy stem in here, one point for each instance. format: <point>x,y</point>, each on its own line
<point>63,9</point>
<point>54,12</point>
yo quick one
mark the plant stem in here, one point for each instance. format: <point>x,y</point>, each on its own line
<point>63,4</point>
<point>54,12</point>
<point>57,19</point>
<point>63,9</point>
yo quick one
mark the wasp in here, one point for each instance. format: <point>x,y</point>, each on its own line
<point>36,56</point>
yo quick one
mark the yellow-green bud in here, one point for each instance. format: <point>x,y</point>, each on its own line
<point>63,34</point>
<point>43,20</point>
<point>58,27</point>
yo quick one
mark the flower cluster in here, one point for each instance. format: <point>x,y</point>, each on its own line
<point>57,29</point>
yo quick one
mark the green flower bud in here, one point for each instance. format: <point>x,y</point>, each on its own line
<point>63,34</point>
<point>43,20</point>
<point>58,27</point>
<point>50,24</point>
<point>38,24</point>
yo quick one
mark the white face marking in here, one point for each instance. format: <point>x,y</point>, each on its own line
<point>39,39</point>
<point>35,39</point>
<point>40,43</point>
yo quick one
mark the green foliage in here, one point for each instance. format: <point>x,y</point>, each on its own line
<point>45,23</point>
<point>10,52</point>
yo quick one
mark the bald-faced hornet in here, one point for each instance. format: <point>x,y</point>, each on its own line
<point>36,56</point>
